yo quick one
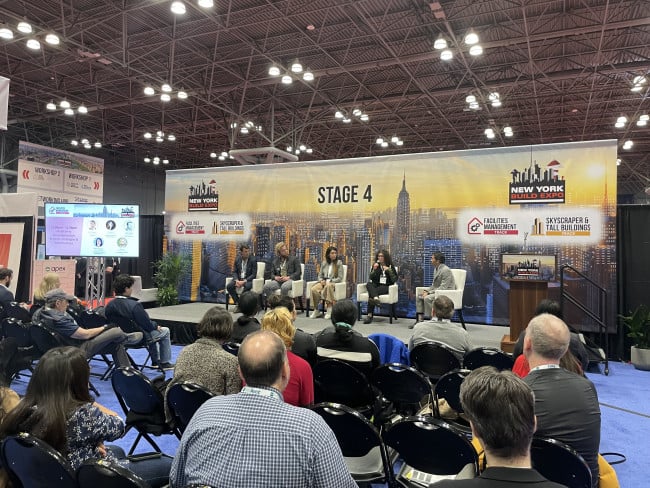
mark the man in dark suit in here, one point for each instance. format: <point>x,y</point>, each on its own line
<point>501,411</point>
<point>6,295</point>
<point>243,272</point>
<point>284,270</point>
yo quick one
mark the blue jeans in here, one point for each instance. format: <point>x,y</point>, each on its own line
<point>161,347</point>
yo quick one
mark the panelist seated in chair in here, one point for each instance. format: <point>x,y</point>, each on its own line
<point>254,438</point>
<point>58,409</point>
<point>342,342</point>
<point>501,412</point>
<point>98,340</point>
<point>441,329</point>
<point>443,279</point>
<point>331,272</point>
<point>285,269</point>
<point>243,273</point>
<point>382,275</point>
<point>126,307</point>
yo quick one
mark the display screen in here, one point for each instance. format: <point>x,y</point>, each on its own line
<point>86,229</point>
<point>528,266</point>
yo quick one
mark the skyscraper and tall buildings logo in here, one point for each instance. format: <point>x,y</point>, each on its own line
<point>532,185</point>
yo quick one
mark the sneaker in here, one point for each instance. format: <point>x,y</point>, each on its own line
<point>368,319</point>
<point>328,315</point>
<point>315,314</point>
<point>166,366</point>
<point>236,309</point>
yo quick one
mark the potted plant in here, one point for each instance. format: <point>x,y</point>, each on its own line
<point>638,325</point>
<point>169,271</point>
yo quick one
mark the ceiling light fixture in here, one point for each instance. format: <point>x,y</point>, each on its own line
<point>628,144</point>
<point>147,159</point>
<point>286,80</point>
<point>476,50</point>
<point>147,135</point>
<point>166,87</point>
<point>148,90</point>
<point>178,8</point>
<point>171,137</point>
<point>292,72</point>
<point>165,97</point>
<point>308,76</point>
<point>346,118</point>
<point>440,43</point>
<point>213,154</point>
<point>206,3</point>
<point>471,38</point>
<point>51,106</point>
<point>274,71</point>
<point>384,141</point>
<point>52,39</point>
<point>64,103</point>
<point>446,55</point>
<point>24,27</point>
<point>296,67</point>
<point>6,33</point>
<point>33,44</point>
<point>182,95</point>
<point>82,109</point>
<point>74,142</point>
<point>620,122</point>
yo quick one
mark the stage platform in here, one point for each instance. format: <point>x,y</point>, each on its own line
<point>182,320</point>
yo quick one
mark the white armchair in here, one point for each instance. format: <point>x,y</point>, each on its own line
<point>339,289</point>
<point>258,282</point>
<point>390,298</point>
<point>297,288</point>
<point>456,296</point>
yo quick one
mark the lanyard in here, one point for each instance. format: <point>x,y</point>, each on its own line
<point>265,392</point>
<point>545,366</point>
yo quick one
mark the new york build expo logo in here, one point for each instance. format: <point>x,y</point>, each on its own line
<point>537,185</point>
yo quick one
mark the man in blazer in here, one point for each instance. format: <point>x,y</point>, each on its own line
<point>284,269</point>
<point>443,279</point>
<point>243,273</point>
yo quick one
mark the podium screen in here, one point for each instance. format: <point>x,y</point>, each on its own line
<point>528,266</point>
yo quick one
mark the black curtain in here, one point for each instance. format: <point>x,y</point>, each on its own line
<point>633,256</point>
<point>151,239</point>
<point>22,285</point>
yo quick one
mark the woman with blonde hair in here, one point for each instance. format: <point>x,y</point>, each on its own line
<point>300,390</point>
<point>49,282</point>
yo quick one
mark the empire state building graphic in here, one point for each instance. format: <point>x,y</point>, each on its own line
<point>401,241</point>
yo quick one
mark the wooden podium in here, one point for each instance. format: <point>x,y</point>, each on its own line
<point>523,298</point>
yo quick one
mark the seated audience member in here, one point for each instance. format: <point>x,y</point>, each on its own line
<point>8,401</point>
<point>576,346</point>
<point>382,275</point>
<point>49,282</point>
<point>59,410</point>
<point>443,279</point>
<point>124,306</point>
<point>342,342</point>
<point>501,412</point>
<point>284,270</point>
<point>331,272</point>
<point>205,362</point>
<point>304,344</point>
<point>247,322</point>
<point>255,439</point>
<point>566,405</point>
<point>243,273</point>
<point>6,295</point>
<point>300,389</point>
<point>104,339</point>
<point>441,329</point>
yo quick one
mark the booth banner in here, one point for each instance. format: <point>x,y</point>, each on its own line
<point>11,246</point>
<point>64,268</point>
<point>59,176</point>
<point>474,206</point>
<point>4,102</point>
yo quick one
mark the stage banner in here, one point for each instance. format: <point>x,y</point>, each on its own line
<point>64,268</point>
<point>4,102</point>
<point>11,246</point>
<point>474,206</point>
<point>59,176</point>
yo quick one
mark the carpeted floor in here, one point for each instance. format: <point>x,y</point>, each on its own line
<point>623,395</point>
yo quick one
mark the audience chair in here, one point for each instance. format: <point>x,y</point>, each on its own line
<point>390,298</point>
<point>448,387</point>
<point>433,359</point>
<point>14,310</point>
<point>89,319</point>
<point>339,382</point>
<point>297,289</point>
<point>363,448</point>
<point>231,347</point>
<point>405,387</point>
<point>456,296</point>
<point>487,356</point>
<point>431,445</point>
<point>391,349</point>
<point>339,290</point>
<point>43,338</point>
<point>143,406</point>
<point>258,282</point>
<point>19,330</point>
<point>560,463</point>
<point>98,473</point>
<point>127,325</point>
<point>32,463</point>
<point>184,399</point>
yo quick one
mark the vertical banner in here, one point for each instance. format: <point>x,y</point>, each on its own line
<point>59,176</point>
<point>4,102</point>
<point>474,206</point>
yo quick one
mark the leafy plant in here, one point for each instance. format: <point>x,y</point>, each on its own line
<point>638,325</point>
<point>169,271</point>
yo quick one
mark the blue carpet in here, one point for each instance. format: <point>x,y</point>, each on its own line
<point>623,395</point>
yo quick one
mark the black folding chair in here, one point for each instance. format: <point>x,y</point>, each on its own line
<point>433,359</point>
<point>89,319</point>
<point>362,446</point>
<point>487,356</point>
<point>105,474</point>
<point>404,386</point>
<point>19,330</point>
<point>31,463</point>
<point>143,405</point>
<point>184,399</point>
<point>338,382</point>
<point>14,310</point>
<point>231,347</point>
<point>431,446</point>
<point>448,387</point>
<point>560,463</point>
<point>129,326</point>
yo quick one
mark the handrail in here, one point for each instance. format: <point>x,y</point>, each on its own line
<point>598,318</point>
